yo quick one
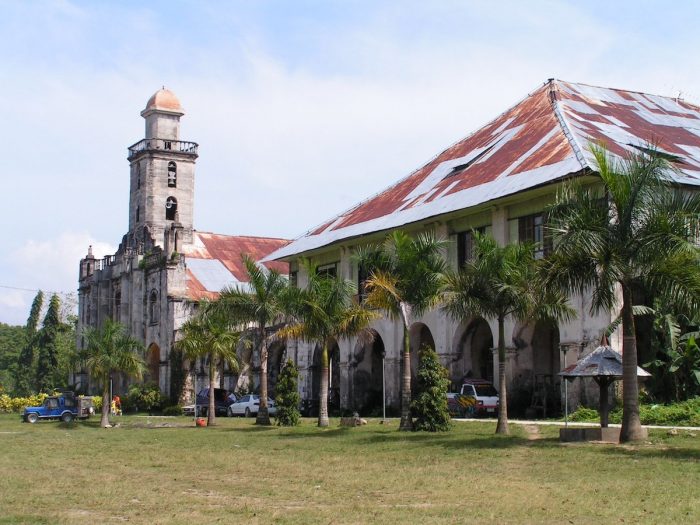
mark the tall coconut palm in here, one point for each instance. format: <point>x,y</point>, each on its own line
<point>404,281</point>
<point>633,229</point>
<point>110,350</point>
<point>261,303</point>
<point>322,312</point>
<point>211,334</point>
<point>498,282</point>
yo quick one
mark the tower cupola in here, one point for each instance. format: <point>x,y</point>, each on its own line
<point>162,114</point>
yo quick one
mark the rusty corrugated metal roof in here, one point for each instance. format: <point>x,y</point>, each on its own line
<point>215,261</point>
<point>539,140</point>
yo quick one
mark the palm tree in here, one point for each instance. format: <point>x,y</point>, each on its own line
<point>110,350</point>
<point>635,229</point>
<point>404,281</point>
<point>498,282</point>
<point>322,312</point>
<point>262,303</point>
<point>210,334</point>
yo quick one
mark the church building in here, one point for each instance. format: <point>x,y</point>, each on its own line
<point>163,266</point>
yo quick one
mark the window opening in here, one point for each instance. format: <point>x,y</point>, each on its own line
<point>328,270</point>
<point>153,310</point>
<point>138,213</point>
<point>172,175</point>
<point>138,176</point>
<point>170,208</point>
<point>465,245</point>
<point>531,228</point>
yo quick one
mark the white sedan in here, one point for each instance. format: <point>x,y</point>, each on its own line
<point>248,406</point>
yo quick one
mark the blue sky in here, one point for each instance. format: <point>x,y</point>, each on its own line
<point>300,108</point>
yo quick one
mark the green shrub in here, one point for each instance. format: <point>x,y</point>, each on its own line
<point>172,410</point>
<point>145,397</point>
<point>16,405</point>
<point>429,406</point>
<point>684,414</point>
<point>288,398</point>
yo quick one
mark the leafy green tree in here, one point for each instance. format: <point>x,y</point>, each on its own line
<point>12,342</point>
<point>633,229</point>
<point>261,303</point>
<point>25,373</point>
<point>429,407</point>
<point>211,334</point>
<point>404,281</point>
<point>110,350</point>
<point>498,282</point>
<point>323,312</point>
<point>48,376</point>
<point>288,397</point>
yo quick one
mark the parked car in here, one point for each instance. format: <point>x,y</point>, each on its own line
<point>478,397</point>
<point>248,406</point>
<point>222,399</point>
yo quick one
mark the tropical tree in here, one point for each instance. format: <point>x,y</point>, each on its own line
<point>404,280</point>
<point>211,334</point>
<point>111,350</point>
<point>430,404</point>
<point>47,369</point>
<point>262,303</point>
<point>634,229</point>
<point>288,397</point>
<point>498,282</point>
<point>323,312</point>
<point>25,373</point>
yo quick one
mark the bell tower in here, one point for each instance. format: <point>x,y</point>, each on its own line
<point>162,178</point>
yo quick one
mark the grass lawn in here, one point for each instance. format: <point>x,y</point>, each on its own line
<point>147,472</point>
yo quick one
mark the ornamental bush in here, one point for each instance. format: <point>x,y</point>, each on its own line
<point>429,406</point>
<point>146,397</point>
<point>288,398</point>
<point>16,404</point>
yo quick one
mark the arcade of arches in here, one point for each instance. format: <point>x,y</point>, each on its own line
<point>473,355</point>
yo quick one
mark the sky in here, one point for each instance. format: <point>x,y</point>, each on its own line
<point>301,109</point>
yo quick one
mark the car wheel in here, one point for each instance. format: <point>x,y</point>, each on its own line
<point>229,412</point>
<point>66,417</point>
<point>32,417</point>
<point>247,412</point>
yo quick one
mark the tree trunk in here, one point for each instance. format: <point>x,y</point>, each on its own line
<point>106,403</point>
<point>211,411</point>
<point>263,415</point>
<point>406,419</point>
<point>631,425</point>
<point>502,426</point>
<point>323,394</point>
<point>604,407</point>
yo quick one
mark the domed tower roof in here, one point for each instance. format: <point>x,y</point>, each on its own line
<point>164,100</point>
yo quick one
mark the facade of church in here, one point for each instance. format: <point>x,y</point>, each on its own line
<point>163,266</point>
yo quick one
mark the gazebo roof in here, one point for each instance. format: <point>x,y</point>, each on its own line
<point>603,361</point>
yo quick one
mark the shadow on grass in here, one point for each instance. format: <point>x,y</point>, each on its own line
<point>656,452</point>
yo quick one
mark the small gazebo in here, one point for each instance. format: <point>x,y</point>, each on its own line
<point>604,365</point>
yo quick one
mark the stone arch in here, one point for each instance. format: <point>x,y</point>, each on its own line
<point>473,352</point>
<point>367,374</point>
<point>419,335</point>
<point>276,354</point>
<point>153,363</point>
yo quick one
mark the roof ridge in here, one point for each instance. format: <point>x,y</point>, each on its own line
<point>671,97</point>
<point>561,119</point>
<point>243,236</point>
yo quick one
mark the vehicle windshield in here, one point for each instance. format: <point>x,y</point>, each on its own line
<point>486,390</point>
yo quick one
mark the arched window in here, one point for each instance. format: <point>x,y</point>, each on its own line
<point>172,175</point>
<point>138,213</point>
<point>138,176</point>
<point>153,310</point>
<point>170,208</point>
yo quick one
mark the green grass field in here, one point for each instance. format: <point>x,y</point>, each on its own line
<point>164,470</point>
